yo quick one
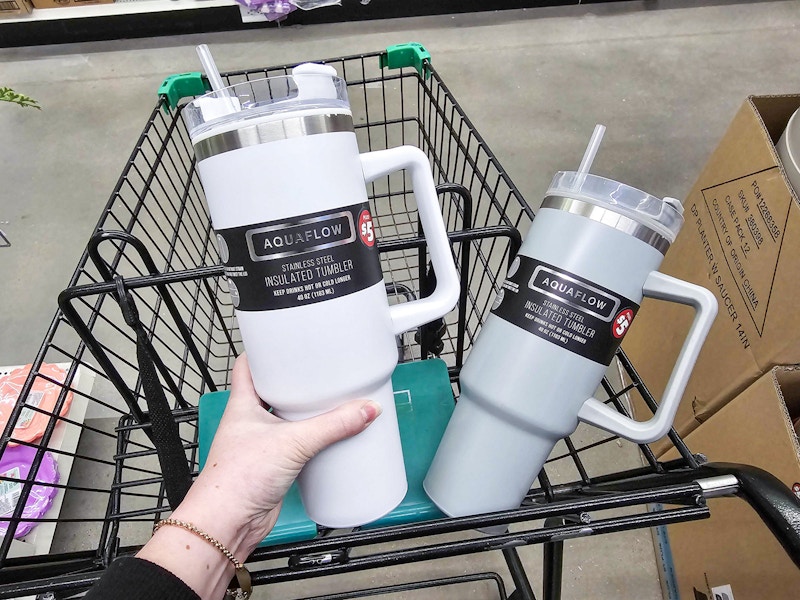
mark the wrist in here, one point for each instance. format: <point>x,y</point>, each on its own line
<point>217,521</point>
<point>191,558</point>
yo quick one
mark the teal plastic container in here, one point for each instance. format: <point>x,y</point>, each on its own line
<point>424,400</point>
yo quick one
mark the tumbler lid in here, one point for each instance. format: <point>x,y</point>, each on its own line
<point>662,216</point>
<point>310,86</point>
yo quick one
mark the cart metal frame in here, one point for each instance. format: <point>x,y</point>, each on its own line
<point>153,248</point>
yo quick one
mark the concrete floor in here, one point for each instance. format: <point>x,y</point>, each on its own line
<point>665,78</point>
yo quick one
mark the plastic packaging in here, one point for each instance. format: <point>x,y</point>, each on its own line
<point>44,394</point>
<point>16,463</point>
<point>277,10</point>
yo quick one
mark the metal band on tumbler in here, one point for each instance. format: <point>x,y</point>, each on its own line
<point>609,217</point>
<point>272,131</point>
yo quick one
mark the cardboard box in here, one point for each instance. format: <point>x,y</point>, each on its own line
<point>65,3</point>
<point>733,551</point>
<point>15,8</point>
<point>741,239</point>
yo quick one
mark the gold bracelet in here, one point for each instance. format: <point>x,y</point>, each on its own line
<point>242,574</point>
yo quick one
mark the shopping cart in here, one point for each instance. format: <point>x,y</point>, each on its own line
<point>149,289</point>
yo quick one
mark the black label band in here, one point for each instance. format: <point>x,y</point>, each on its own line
<point>564,309</point>
<point>299,261</point>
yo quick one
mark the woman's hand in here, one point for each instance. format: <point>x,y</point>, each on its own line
<point>253,460</point>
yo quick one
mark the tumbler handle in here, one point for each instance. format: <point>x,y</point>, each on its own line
<point>409,315</point>
<point>661,287</point>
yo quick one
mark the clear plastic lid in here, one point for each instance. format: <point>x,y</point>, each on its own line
<point>663,216</point>
<point>310,86</point>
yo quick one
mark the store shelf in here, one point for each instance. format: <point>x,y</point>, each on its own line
<point>146,18</point>
<point>65,440</point>
<point>116,9</point>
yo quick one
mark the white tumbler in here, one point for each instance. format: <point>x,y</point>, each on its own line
<point>569,297</point>
<point>285,186</point>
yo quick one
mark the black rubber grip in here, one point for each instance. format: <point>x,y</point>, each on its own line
<point>776,504</point>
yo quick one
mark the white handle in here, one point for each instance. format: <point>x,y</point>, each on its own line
<point>409,315</point>
<point>662,287</point>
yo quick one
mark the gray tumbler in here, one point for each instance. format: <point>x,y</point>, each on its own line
<point>569,297</point>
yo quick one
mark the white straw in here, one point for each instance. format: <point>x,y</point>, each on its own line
<point>591,152</point>
<point>211,70</point>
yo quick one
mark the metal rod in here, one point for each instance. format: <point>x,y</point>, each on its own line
<point>65,299</point>
<point>466,201</point>
<point>147,259</point>
<point>523,590</point>
<point>552,563</point>
<point>402,556</point>
<point>419,585</point>
<point>461,547</point>
<point>526,513</point>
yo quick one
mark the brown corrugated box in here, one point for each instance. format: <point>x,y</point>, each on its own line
<point>734,547</point>
<point>66,3</point>
<point>741,240</point>
<point>15,8</point>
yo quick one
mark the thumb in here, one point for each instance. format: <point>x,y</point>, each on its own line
<point>242,379</point>
<point>317,433</point>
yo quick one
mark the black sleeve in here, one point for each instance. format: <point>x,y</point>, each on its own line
<point>130,578</point>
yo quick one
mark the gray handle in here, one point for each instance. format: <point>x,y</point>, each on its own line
<point>662,287</point>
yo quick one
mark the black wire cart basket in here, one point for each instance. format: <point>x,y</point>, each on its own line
<point>149,289</point>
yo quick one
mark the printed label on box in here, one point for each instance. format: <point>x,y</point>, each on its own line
<point>744,219</point>
<point>722,592</point>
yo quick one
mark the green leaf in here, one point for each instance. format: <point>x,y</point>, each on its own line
<point>9,95</point>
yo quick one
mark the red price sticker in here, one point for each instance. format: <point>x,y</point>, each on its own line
<point>365,228</point>
<point>621,322</point>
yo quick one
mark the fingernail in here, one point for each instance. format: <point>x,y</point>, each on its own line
<point>371,411</point>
